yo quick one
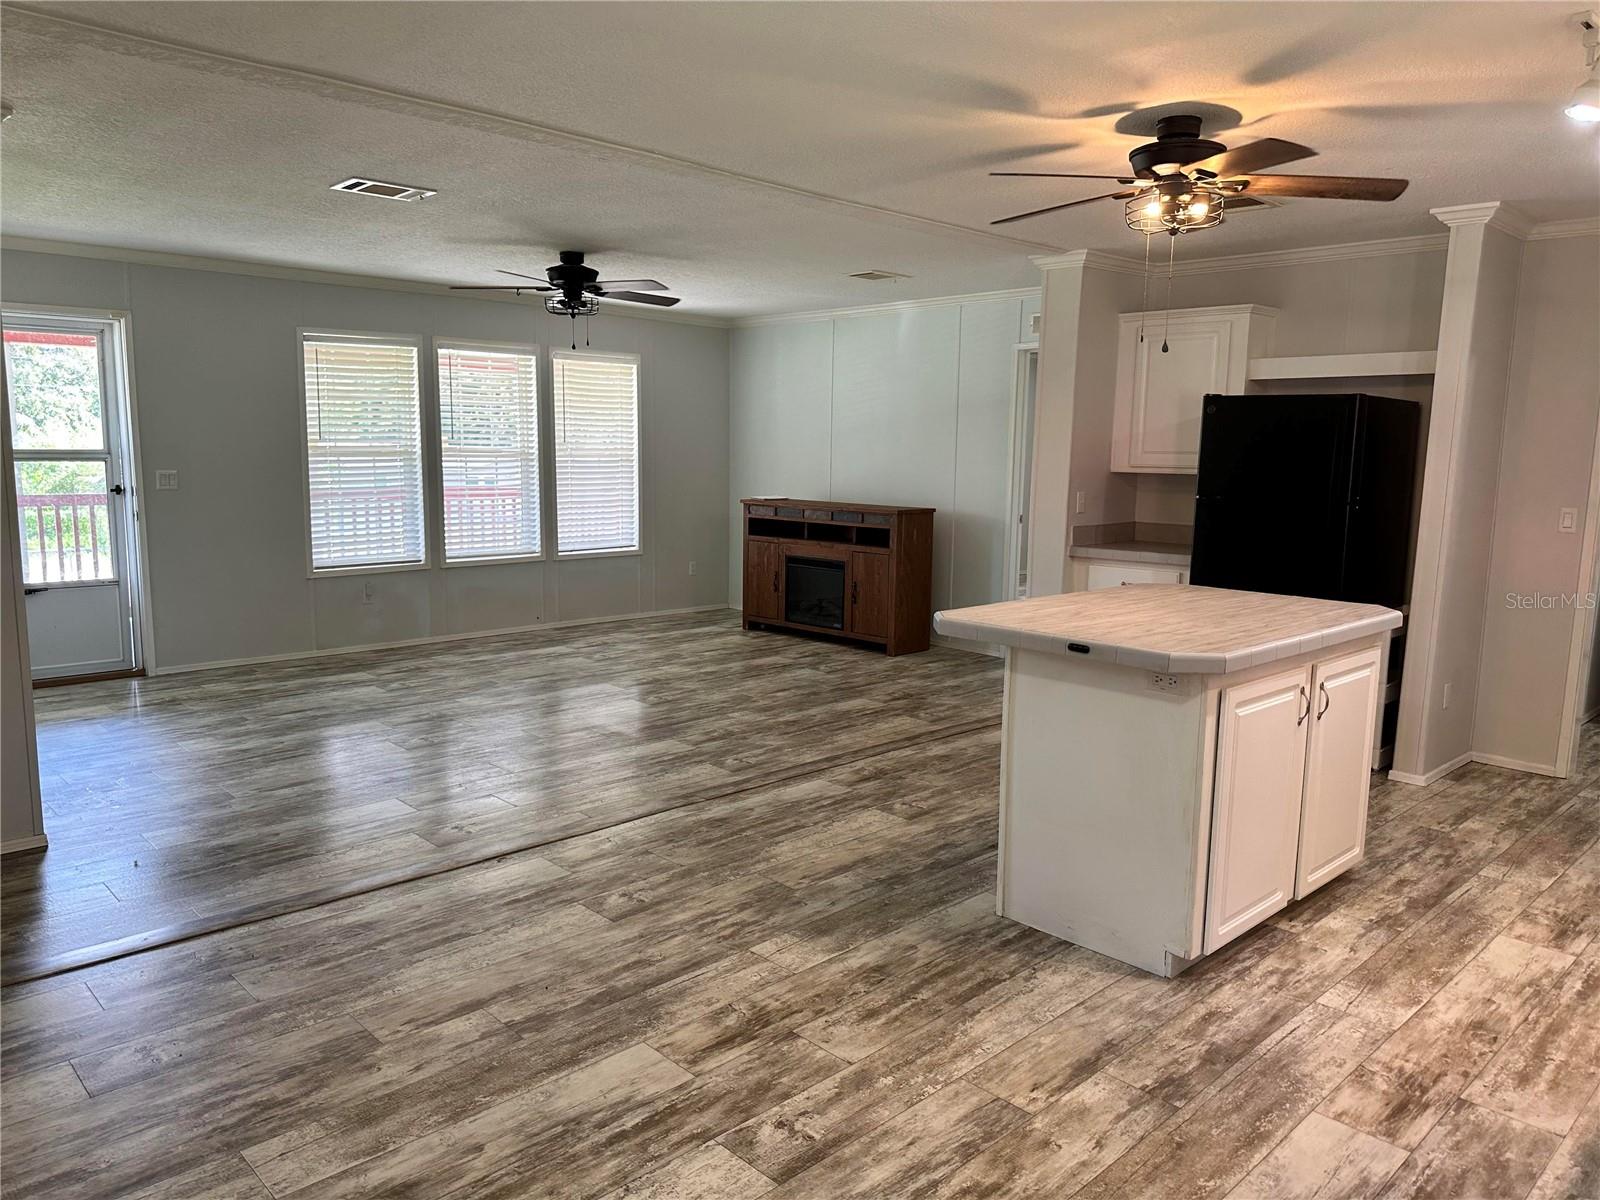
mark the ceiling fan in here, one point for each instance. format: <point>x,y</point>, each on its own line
<point>575,290</point>
<point>1182,181</point>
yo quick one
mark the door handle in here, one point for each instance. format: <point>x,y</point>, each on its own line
<point>855,591</point>
<point>1301,719</point>
<point>117,489</point>
<point>34,591</point>
<point>1327,700</point>
<point>774,581</point>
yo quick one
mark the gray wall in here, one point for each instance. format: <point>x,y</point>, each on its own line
<point>1546,454</point>
<point>907,406</point>
<point>216,376</point>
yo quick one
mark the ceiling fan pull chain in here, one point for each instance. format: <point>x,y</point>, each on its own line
<point>1172,251</point>
<point>1144,301</point>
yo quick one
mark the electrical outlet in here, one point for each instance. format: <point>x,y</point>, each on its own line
<point>1568,522</point>
<point>1162,683</point>
<point>366,591</point>
<point>1077,502</point>
<point>1444,699</point>
<point>691,566</point>
<point>166,481</point>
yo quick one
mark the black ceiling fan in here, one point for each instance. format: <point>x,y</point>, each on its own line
<point>575,289</point>
<point>1187,180</point>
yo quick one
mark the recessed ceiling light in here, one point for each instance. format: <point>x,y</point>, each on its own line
<point>877,275</point>
<point>386,191</point>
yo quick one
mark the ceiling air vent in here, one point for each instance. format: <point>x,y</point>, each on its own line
<point>877,275</point>
<point>387,191</point>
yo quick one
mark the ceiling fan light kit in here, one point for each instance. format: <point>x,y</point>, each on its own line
<point>575,289</point>
<point>1585,103</point>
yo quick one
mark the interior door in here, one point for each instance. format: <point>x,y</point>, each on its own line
<point>64,386</point>
<point>1333,818</point>
<point>1255,811</point>
<point>869,594</point>
<point>763,573</point>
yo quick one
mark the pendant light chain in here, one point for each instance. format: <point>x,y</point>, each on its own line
<point>1144,300</point>
<point>1172,251</point>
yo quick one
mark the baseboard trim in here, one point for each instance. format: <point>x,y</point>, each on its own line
<point>1515,764</point>
<point>1432,776</point>
<point>222,664</point>
<point>22,845</point>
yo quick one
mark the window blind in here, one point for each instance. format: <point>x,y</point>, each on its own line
<point>597,453</point>
<point>363,453</point>
<point>489,452</point>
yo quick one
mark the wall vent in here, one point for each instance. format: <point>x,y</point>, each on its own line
<point>387,191</point>
<point>877,275</point>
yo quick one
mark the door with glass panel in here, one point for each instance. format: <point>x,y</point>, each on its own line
<point>65,382</point>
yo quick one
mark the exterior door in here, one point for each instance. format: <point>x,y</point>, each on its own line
<point>869,594</point>
<point>763,574</point>
<point>1333,819</point>
<point>66,393</point>
<point>1255,812</point>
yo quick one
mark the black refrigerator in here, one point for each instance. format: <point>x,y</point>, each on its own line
<point>1307,496</point>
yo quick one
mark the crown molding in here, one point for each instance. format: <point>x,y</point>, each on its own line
<point>868,310</point>
<point>1422,244</point>
<point>1494,213</point>
<point>229,266</point>
<point>1577,227</point>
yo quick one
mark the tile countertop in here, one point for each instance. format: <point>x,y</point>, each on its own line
<point>1171,554</point>
<point>1169,627</point>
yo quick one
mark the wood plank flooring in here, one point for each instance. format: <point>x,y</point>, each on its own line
<point>198,800</point>
<point>801,990</point>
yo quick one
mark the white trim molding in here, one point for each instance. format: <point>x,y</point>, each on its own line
<point>1578,227</point>
<point>19,845</point>
<point>1423,244</point>
<point>868,310</point>
<point>1345,366</point>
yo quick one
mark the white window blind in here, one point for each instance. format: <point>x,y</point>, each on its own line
<point>363,453</point>
<point>489,452</point>
<point>597,453</point>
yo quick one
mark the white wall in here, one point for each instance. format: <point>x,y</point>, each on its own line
<point>907,406</point>
<point>215,366</point>
<point>1545,465</point>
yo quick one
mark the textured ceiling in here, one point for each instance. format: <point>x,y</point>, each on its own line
<point>751,155</point>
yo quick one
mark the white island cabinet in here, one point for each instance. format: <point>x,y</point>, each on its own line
<point>1178,763</point>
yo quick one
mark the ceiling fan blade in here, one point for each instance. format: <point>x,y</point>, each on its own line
<point>541,280</point>
<point>1330,187</point>
<point>637,285</point>
<point>1252,156</point>
<point>1058,175</point>
<point>498,287</point>
<point>1039,212</point>
<point>641,298</point>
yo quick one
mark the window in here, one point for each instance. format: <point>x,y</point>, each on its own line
<point>597,452</point>
<point>363,453</point>
<point>489,452</point>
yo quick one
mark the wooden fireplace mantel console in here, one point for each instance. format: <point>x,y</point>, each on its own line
<point>859,572</point>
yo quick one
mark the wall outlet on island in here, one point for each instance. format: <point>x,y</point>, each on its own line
<point>1160,682</point>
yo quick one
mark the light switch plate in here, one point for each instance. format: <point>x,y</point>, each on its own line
<point>1568,522</point>
<point>166,481</point>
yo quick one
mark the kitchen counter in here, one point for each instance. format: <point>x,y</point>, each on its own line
<point>1161,627</point>
<point>1166,554</point>
<point>1178,763</point>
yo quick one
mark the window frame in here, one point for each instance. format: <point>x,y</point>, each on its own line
<point>543,403</point>
<point>360,337</point>
<point>638,550</point>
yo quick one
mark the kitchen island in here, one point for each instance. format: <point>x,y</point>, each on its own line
<point>1178,763</point>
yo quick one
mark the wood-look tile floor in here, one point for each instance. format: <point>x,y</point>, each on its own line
<point>221,794</point>
<point>801,990</point>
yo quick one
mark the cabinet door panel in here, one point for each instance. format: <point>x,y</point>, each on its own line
<point>1167,390</point>
<point>1255,811</point>
<point>1333,819</point>
<point>869,594</point>
<point>763,572</point>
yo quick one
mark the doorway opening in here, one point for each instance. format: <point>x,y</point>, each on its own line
<point>1020,491</point>
<point>71,427</point>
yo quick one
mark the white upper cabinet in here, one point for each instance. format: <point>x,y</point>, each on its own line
<point>1157,419</point>
<point>1333,819</point>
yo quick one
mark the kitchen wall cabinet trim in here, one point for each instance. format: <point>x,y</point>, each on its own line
<point>1156,416</point>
